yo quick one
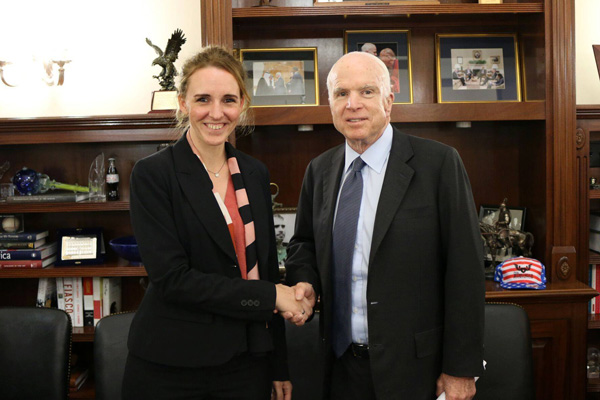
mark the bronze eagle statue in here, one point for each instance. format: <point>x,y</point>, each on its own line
<point>166,60</point>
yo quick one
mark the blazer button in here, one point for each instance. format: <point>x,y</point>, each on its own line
<point>257,303</point>
<point>244,303</point>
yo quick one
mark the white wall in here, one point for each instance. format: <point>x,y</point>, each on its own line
<point>111,70</point>
<point>587,33</point>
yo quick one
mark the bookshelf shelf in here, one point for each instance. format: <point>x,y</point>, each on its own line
<point>113,269</point>
<point>83,206</point>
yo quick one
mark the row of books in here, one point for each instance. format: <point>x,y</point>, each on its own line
<point>85,299</point>
<point>26,250</point>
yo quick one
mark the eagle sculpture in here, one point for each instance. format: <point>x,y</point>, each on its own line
<point>166,60</point>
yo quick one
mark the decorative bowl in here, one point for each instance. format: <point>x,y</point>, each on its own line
<point>127,248</point>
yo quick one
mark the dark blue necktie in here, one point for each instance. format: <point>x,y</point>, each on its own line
<point>344,239</point>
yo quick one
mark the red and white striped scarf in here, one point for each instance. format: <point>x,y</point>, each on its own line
<point>243,204</point>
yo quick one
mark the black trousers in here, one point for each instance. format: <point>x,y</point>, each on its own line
<point>245,377</point>
<point>351,378</point>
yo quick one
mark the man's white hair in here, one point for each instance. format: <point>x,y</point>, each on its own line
<point>383,79</point>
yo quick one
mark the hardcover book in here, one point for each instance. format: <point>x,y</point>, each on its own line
<point>5,244</point>
<point>88,301</point>
<point>46,296</point>
<point>111,296</point>
<point>46,262</point>
<point>60,294</point>
<point>77,302</point>
<point>97,299</point>
<point>50,198</point>
<point>29,254</point>
<point>30,236</point>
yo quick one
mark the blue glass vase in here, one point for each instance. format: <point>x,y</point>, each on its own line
<point>26,181</point>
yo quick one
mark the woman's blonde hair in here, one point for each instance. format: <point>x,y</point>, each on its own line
<point>221,58</point>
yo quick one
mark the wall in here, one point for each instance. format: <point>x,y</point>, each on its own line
<point>587,33</point>
<point>111,70</point>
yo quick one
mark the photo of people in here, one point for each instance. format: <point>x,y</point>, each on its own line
<point>477,69</point>
<point>284,229</point>
<point>386,53</point>
<point>278,78</point>
<point>392,47</point>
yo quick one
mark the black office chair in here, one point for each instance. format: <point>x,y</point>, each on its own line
<point>35,350</point>
<point>508,352</point>
<point>110,354</point>
<point>305,359</point>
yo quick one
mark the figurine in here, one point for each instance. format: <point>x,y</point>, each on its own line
<point>500,239</point>
<point>166,60</point>
<point>28,182</point>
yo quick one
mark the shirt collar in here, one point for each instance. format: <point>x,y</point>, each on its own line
<point>376,155</point>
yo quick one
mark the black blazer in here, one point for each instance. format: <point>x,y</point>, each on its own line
<point>425,290</point>
<point>197,310</point>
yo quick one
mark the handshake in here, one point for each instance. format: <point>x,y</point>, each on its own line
<point>295,303</point>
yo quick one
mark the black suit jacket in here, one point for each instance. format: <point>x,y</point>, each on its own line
<point>425,290</point>
<point>197,310</point>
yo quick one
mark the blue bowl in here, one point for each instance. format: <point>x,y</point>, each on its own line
<point>127,248</point>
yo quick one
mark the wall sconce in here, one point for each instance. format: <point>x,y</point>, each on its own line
<point>54,72</point>
<point>49,69</point>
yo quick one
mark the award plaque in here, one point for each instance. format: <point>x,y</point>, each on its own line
<point>80,246</point>
<point>164,100</point>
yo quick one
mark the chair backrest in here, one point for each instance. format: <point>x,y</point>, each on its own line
<point>508,353</point>
<point>35,348</point>
<point>110,354</point>
<point>305,359</point>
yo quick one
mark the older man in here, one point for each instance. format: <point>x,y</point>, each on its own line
<point>387,235</point>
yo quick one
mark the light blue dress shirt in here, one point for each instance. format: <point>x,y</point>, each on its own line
<point>376,157</point>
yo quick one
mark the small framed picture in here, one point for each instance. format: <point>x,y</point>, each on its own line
<point>282,77</point>
<point>284,220</point>
<point>393,48</point>
<point>477,68</point>
<point>489,214</point>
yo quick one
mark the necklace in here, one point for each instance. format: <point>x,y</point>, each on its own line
<point>216,174</point>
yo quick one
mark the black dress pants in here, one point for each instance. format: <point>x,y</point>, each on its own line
<point>351,378</point>
<point>245,377</point>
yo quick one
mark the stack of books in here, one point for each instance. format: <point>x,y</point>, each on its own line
<point>26,250</point>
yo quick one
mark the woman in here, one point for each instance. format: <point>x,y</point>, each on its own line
<point>201,213</point>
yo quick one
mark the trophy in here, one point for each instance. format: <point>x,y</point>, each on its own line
<point>166,98</point>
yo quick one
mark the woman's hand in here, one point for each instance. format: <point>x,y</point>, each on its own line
<point>296,311</point>
<point>282,390</point>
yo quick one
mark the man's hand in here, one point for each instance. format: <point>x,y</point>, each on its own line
<point>296,311</point>
<point>456,387</point>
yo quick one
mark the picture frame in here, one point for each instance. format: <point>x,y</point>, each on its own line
<point>282,77</point>
<point>489,73</point>
<point>393,48</point>
<point>489,214</point>
<point>284,220</point>
<point>80,246</point>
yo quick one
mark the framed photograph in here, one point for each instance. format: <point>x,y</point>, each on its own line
<point>489,215</point>
<point>282,77</point>
<point>80,246</point>
<point>284,220</point>
<point>393,48</point>
<point>477,68</point>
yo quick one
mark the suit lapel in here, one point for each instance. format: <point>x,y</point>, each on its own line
<point>197,187</point>
<point>254,187</point>
<point>397,179</point>
<point>331,185</point>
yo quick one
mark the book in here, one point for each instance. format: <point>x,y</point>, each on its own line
<point>78,377</point>
<point>97,298</point>
<point>22,245</point>
<point>77,302</point>
<point>46,296</point>
<point>60,294</point>
<point>29,254</point>
<point>46,262</point>
<point>23,236</point>
<point>69,300</point>
<point>88,301</point>
<point>50,198</point>
<point>111,296</point>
